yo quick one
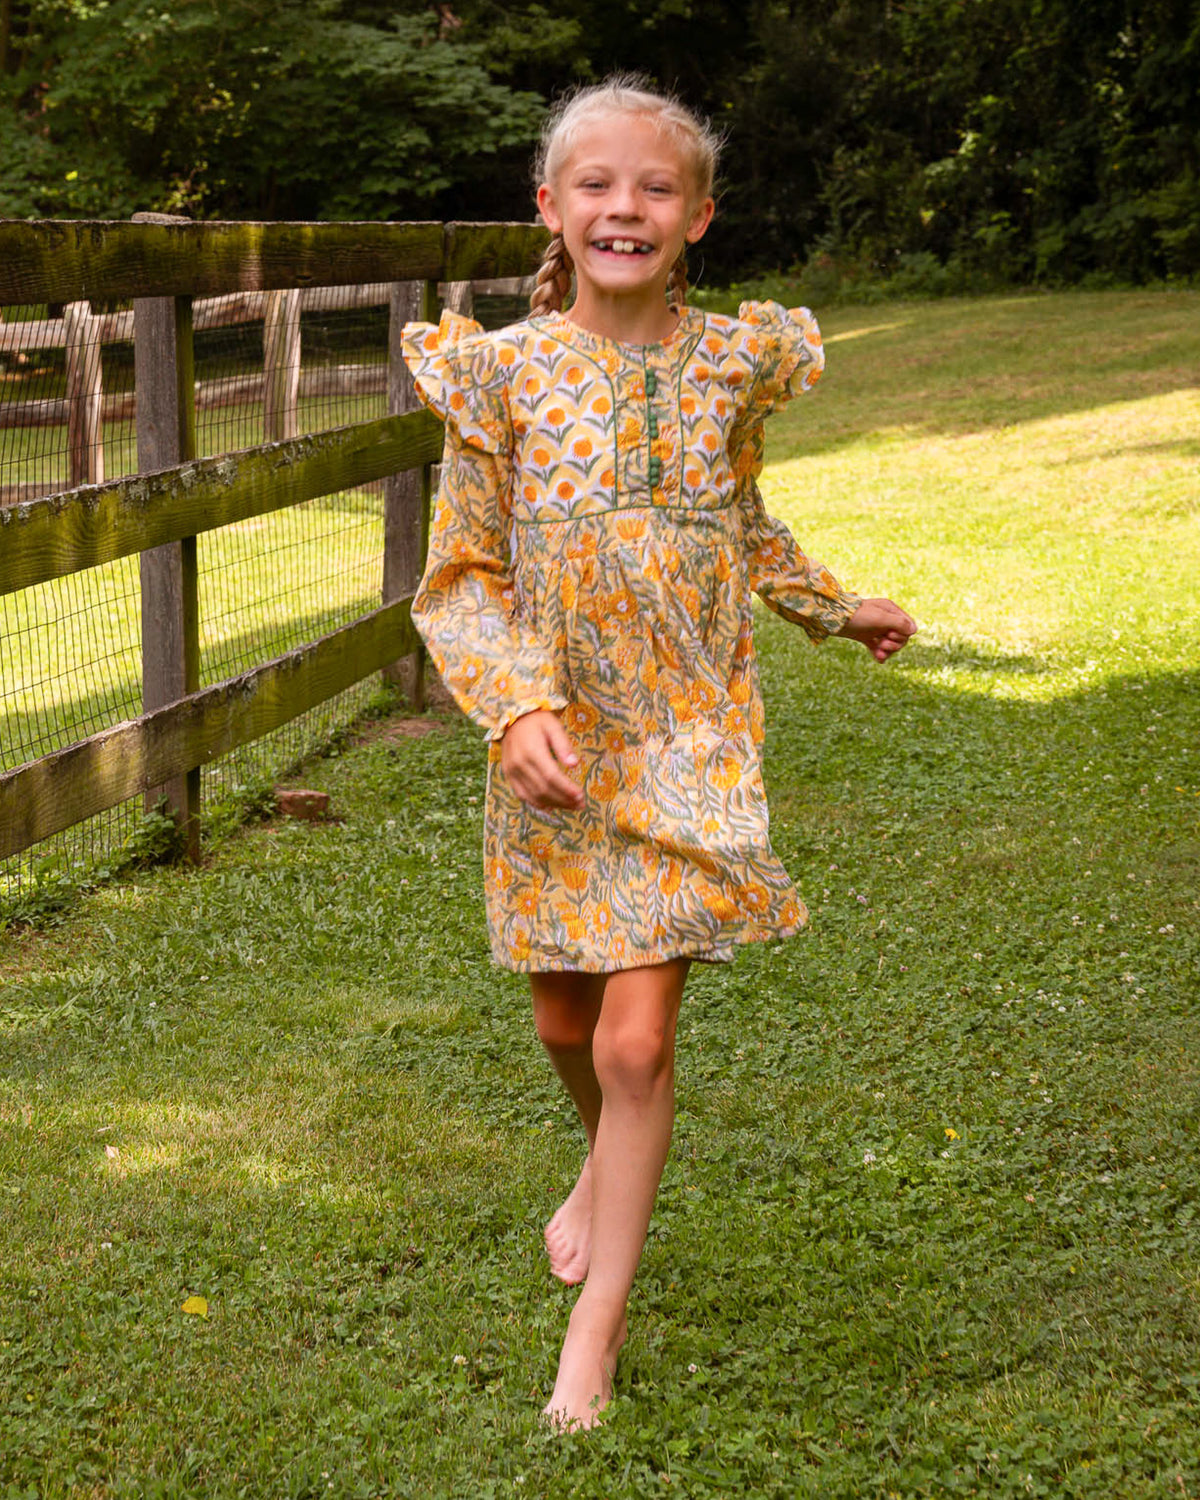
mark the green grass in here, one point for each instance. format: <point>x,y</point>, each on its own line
<point>72,660</point>
<point>929,1224</point>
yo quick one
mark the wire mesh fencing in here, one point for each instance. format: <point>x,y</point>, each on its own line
<point>267,366</point>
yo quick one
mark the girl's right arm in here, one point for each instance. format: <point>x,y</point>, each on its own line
<point>465,608</point>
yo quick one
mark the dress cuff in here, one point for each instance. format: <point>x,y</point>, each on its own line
<point>554,702</point>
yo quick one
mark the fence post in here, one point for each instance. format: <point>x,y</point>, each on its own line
<point>164,373</point>
<point>281,366</point>
<point>85,394</point>
<point>460,297</point>
<point>406,495</point>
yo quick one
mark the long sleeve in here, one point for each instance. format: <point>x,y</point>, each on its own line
<point>789,363</point>
<point>787,580</point>
<point>466,606</point>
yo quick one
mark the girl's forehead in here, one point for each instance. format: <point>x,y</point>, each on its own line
<point>617,135</point>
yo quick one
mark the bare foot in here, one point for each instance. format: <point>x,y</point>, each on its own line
<point>569,1232</point>
<point>586,1366</point>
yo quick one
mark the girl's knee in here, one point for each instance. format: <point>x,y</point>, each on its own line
<point>565,1010</point>
<point>564,1028</point>
<point>635,1058</point>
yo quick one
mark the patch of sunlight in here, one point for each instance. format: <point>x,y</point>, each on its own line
<point>388,1017</point>
<point>248,1142</point>
<point>1025,680</point>
<point>862,333</point>
<point>148,1156</point>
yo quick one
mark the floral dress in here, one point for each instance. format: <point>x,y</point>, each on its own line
<point>596,541</point>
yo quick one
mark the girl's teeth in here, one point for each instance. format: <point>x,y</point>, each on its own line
<point>623,247</point>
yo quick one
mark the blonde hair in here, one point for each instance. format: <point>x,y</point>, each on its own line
<point>629,94</point>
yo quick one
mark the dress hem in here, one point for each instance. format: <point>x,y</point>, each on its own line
<point>644,958</point>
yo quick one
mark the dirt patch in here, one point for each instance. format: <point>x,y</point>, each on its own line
<point>405,729</point>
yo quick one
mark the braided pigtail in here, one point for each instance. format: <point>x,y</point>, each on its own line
<point>677,282</point>
<point>553,278</point>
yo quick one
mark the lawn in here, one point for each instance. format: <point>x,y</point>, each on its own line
<point>929,1227</point>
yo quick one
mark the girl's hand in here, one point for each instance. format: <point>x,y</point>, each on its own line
<point>881,626</point>
<point>533,753</point>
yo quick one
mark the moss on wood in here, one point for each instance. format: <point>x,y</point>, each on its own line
<point>60,534</point>
<point>51,260</point>
<point>68,260</point>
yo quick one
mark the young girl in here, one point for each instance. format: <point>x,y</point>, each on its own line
<point>597,538</point>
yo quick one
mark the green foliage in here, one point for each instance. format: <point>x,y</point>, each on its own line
<point>269,110</point>
<point>58,882</point>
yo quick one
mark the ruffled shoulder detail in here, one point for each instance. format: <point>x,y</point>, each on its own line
<point>459,375</point>
<point>787,351</point>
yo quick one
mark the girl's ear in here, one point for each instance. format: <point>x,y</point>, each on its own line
<point>549,209</point>
<point>699,221</point>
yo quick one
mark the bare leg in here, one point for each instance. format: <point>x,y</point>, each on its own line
<point>566,1008</point>
<point>633,1049</point>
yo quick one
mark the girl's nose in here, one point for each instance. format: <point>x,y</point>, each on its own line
<point>624,201</point>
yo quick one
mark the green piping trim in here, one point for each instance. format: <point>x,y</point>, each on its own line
<point>612,510</point>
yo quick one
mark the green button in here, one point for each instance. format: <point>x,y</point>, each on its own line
<point>651,382</point>
<point>653,426</point>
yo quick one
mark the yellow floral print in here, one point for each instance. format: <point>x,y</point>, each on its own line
<point>597,539</point>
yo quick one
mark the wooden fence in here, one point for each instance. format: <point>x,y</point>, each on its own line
<point>81,334</point>
<point>158,513</point>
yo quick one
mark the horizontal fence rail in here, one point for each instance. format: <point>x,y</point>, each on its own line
<point>71,261</point>
<point>225,312</point>
<point>81,528</point>
<point>183,277</point>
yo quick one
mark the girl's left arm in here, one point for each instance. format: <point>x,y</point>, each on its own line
<point>788,581</point>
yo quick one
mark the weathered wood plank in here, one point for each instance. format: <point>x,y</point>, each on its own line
<point>235,390</point>
<point>60,534</point>
<point>486,252</point>
<point>85,391</point>
<point>281,365</point>
<point>164,371</point>
<point>45,796</point>
<point>239,307</point>
<point>22,338</point>
<point>118,406</point>
<point>459,297</point>
<point>406,494</point>
<point>52,260</point>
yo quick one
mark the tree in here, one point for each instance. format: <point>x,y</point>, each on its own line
<point>249,108</point>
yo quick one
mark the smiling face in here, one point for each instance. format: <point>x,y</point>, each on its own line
<point>625,202</point>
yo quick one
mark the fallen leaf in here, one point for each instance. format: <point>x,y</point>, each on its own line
<point>111,1152</point>
<point>197,1305</point>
